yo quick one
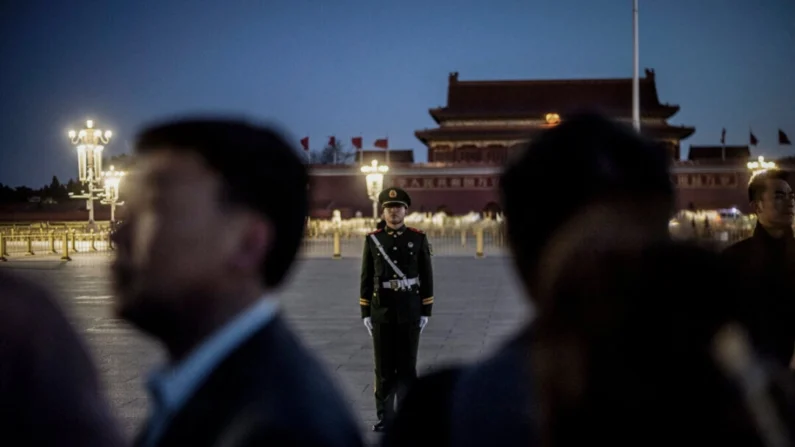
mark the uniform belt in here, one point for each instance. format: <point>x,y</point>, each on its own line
<point>400,284</point>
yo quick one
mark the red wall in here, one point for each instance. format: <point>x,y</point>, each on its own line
<point>717,197</point>
<point>347,193</point>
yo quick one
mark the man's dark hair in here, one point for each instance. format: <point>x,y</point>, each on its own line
<point>585,158</point>
<point>259,171</point>
<point>758,183</point>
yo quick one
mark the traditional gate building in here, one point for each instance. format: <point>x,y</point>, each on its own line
<point>484,120</point>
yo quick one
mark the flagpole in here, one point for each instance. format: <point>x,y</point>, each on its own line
<point>387,149</point>
<point>306,149</point>
<point>636,69</point>
<point>723,145</point>
<point>334,149</point>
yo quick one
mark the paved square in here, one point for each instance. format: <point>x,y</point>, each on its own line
<point>477,305</point>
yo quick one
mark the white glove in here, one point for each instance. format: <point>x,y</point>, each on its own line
<point>423,322</point>
<point>369,325</point>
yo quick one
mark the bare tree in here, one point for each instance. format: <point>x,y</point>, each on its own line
<point>333,154</point>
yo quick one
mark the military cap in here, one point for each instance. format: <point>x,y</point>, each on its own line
<point>394,196</point>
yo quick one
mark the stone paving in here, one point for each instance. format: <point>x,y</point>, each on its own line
<point>477,305</point>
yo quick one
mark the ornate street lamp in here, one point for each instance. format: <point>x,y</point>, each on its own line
<point>112,182</point>
<point>375,182</point>
<point>89,143</point>
<point>760,165</point>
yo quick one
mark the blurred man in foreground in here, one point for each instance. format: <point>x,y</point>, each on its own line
<point>212,229</point>
<point>49,390</point>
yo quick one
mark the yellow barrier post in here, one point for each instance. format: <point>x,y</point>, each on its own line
<point>3,252</point>
<point>51,238</point>
<point>337,251</point>
<point>74,241</point>
<point>463,238</point>
<point>479,243</point>
<point>30,246</point>
<point>65,256</point>
<point>93,237</point>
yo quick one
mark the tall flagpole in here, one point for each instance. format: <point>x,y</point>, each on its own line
<point>387,149</point>
<point>636,69</point>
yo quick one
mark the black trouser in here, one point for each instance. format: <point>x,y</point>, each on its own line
<point>395,347</point>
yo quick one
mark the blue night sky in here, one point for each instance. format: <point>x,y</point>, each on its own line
<point>369,68</point>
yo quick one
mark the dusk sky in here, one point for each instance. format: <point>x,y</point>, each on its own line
<point>370,68</point>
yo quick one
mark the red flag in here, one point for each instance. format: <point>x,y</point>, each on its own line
<point>332,141</point>
<point>753,139</point>
<point>305,143</point>
<point>356,142</point>
<point>723,136</point>
<point>382,143</point>
<point>783,138</point>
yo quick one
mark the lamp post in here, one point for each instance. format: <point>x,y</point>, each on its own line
<point>760,165</point>
<point>635,69</point>
<point>89,143</point>
<point>375,182</point>
<point>112,181</point>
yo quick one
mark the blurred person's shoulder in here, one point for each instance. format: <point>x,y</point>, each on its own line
<point>24,301</point>
<point>738,251</point>
<point>686,261</point>
<point>482,403</point>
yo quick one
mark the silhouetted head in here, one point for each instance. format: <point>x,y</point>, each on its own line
<point>580,163</point>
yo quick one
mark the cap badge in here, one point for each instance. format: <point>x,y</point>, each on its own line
<point>392,193</point>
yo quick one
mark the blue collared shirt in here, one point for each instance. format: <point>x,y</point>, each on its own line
<point>171,387</point>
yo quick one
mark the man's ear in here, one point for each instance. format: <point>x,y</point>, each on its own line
<point>256,238</point>
<point>754,206</point>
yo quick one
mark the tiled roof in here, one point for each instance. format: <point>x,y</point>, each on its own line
<point>538,97</point>
<point>518,133</point>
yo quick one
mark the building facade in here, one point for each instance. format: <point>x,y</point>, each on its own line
<point>483,120</point>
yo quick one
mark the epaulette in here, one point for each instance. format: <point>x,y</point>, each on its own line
<point>376,231</point>
<point>416,230</point>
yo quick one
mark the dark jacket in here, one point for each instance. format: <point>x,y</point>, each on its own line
<point>631,331</point>
<point>49,390</point>
<point>410,251</point>
<point>270,389</point>
<point>764,269</point>
<point>488,403</point>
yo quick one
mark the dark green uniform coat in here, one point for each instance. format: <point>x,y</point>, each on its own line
<point>411,253</point>
<point>395,314</point>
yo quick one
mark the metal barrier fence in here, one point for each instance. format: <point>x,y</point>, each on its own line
<point>63,243</point>
<point>478,240</point>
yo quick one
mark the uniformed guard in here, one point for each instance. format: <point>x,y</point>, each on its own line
<point>396,298</point>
